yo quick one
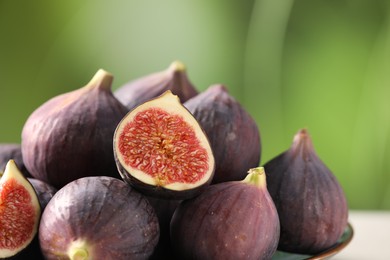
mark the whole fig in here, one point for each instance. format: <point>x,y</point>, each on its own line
<point>234,135</point>
<point>229,220</point>
<point>312,207</point>
<point>98,217</point>
<point>150,86</point>
<point>70,135</point>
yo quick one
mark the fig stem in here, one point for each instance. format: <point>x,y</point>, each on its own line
<point>177,66</point>
<point>256,176</point>
<point>102,79</point>
<point>78,254</point>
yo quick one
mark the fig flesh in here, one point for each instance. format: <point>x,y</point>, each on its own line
<point>20,212</point>
<point>229,220</point>
<point>161,150</point>
<point>233,134</point>
<point>98,218</point>
<point>311,204</point>
<point>12,151</point>
<point>153,85</point>
<point>70,136</point>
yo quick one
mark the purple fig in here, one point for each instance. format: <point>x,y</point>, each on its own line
<point>98,218</point>
<point>233,134</point>
<point>43,190</point>
<point>229,220</point>
<point>153,85</point>
<point>70,136</point>
<point>311,204</point>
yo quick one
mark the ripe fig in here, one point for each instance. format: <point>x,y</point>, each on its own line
<point>70,135</point>
<point>43,190</point>
<point>164,210</point>
<point>12,151</point>
<point>20,212</point>
<point>153,85</point>
<point>229,220</point>
<point>233,134</point>
<point>98,217</point>
<point>311,204</point>
<point>161,150</point>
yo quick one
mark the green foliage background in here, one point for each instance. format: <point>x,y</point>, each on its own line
<point>323,65</point>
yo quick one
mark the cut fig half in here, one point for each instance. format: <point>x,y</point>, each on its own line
<point>161,150</point>
<point>19,212</point>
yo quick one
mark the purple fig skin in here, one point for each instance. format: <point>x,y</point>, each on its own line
<point>233,134</point>
<point>108,218</point>
<point>70,135</point>
<point>230,220</point>
<point>12,151</point>
<point>43,190</point>
<point>164,210</point>
<point>150,86</point>
<point>312,207</point>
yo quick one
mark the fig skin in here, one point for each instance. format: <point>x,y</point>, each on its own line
<point>312,207</point>
<point>234,135</point>
<point>157,186</point>
<point>140,90</point>
<point>70,135</point>
<point>98,217</point>
<point>230,220</point>
<point>43,190</point>
<point>12,151</point>
<point>164,209</point>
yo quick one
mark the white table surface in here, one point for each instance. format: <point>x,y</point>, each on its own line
<point>371,240</point>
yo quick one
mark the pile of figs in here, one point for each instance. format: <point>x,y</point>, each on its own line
<point>160,170</point>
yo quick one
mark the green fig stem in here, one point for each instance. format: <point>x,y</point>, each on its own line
<point>102,79</point>
<point>256,176</point>
<point>78,254</point>
<point>177,66</point>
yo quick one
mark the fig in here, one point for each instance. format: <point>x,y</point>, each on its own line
<point>311,204</point>
<point>161,150</point>
<point>234,135</point>
<point>43,190</point>
<point>12,151</point>
<point>20,212</point>
<point>70,135</point>
<point>98,217</point>
<point>140,90</point>
<point>164,210</point>
<point>229,220</point>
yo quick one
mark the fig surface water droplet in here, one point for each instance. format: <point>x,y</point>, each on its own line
<point>234,135</point>
<point>140,90</point>
<point>70,135</point>
<point>161,150</point>
<point>311,204</point>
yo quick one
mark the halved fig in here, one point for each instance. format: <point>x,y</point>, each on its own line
<point>98,217</point>
<point>161,150</point>
<point>20,212</point>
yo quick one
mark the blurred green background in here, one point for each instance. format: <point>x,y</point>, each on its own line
<point>323,65</point>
